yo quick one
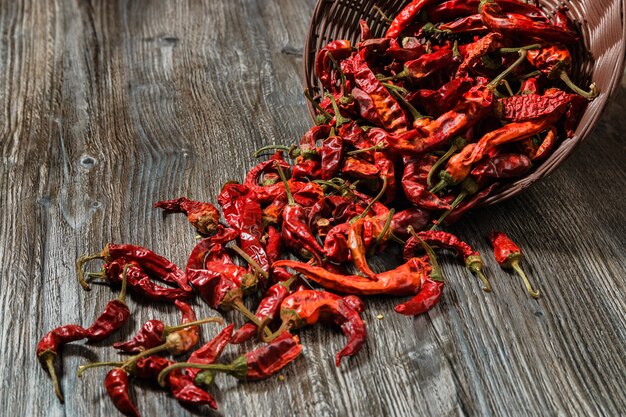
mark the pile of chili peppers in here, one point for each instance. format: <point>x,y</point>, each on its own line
<point>413,130</point>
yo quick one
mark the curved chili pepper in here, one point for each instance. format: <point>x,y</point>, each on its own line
<point>403,280</point>
<point>414,185</point>
<point>413,217</point>
<point>243,213</point>
<point>264,193</point>
<point>425,65</point>
<point>339,50</point>
<point>307,307</point>
<point>428,296</point>
<point>539,149</point>
<point>406,17</point>
<point>509,255</point>
<point>437,102</point>
<point>211,350</point>
<point>331,154</point>
<point>148,368</point>
<point>473,52</point>
<point>149,336</point>
<point>203,216</point>
<point>117,385</point>
<point>467,24</point>
<point>266,310</point>
<point>336,243</point>
<point>114,316</point>
<point>255,365</point>
<point>48,348</point>
<point>531,106</point>
<point>452,9</point>
<point>385,110</point>
<point>513,24</point>
<point>138,281</point>
<point>153,264</point>
<point>187,392</point>
<point>509,165</point>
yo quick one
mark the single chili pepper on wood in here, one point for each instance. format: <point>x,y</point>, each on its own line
<point>255,365</point>
<point>307,307</point>
<point>138,281</point>
<point>117,386</point>
<point>153,264</point>
<point>48,348</point>
<point>203,216</point>
<point>114,316</point>
<point>509,255</point>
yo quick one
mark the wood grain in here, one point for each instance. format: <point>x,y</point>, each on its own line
<point>106,107</point>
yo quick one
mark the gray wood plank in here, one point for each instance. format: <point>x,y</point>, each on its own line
<point>106,107</point>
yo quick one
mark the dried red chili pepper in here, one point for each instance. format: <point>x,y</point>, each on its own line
<point>267,309</point>
<point>384,109</point>
<point>437,102</point>
<point>211,350</point>
<point>153,264</point>
<point>555,61</point>
<point>508,165</point>
<point>453,9</point>
<point>256,365</point>
<point>414,217</point>
<point>415,189</point>
<point>48,348</point>
<point>440,239</point>
<point>243,213</point>
<point>187,392</point>
<point>468,24</point>
<point>473,52</point>
<point>274,244</point>
<point>148,368</point>
<point>203,216</point>
<point>537,148</point>
<point>338,50</point>
<point>138,281</point>
<point>469,204</point>
<point>425,65</point>
<point>331,154</point>
<point>256,178</point>
<point>406,17</point>
<point>509,255</point>
<point>513,24</point>
<point>114,316</point>
<point>295,229</point>
<point>307,307</point>
<point>117,386</point>
<point>531,106</point>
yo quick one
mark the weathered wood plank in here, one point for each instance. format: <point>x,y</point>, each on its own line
<point>107,107</point>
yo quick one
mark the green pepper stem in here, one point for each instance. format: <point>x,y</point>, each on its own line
<point>532,292</point>
<point>283,178</point>
<point>122,296</point>
<point>97,275</point>
<point>80,263</point>
<point>458,200</point>
<point>205,366</point>
<point>267,338</point>
<point>250,261</point>
<point>475,264</point>
<point>286,148</point>
<point>382,234</point>
<point>437,164</point>
<point>395,88</point>
<point>53,376</point>
<point>339,119</point>
<point>83,368</point>
<point>341,74</point>
<point>171,329</point>
<point>496,81</point>
<point>396,239</point>
<point>414,113</point>
<point>402,74</point>
<point>520,48</point>
<point>377,147</point>
<point>382,14</point>
<point>436,273</point>
<point>371,203</point>
<point>239,306</point>
<point>315,104</point>
<point>589,95</point>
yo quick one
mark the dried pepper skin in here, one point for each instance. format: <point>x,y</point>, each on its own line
<point>203,216</point>
<point>150,367</point>
<point>307,307</point>
<point>117,386</point>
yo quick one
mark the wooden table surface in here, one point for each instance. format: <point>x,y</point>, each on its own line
<point>109,106</point>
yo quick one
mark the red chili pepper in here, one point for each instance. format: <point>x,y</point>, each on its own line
<point>414,217</point>
<point>153,264</point>
<point>437,102</point>
<point>148,368</point>
<point>255,365</point>
<point>256,177</point>
<point>509,255</point>
<point>138,281</point>
<point>414,184</point>
<point>406,17</point>
<point>203,216</point>
<point>336,243</point>
<point>48,348</point>
<point>531,106</point>
<point>468,24</point>
<point>243,213</point>
<point>307,307</point>
<point>150,335</point>
<point>501,166</point>
<point>187,392</point>
<point>538,150</point>
<point>339,50</point>
<point>274,244</point>
<point>383,109</point>
<point>267,309</point>
<point>331,154</point>
<point>211,350</point>
<point>428,296</point>
<point>114,316</point>
<point>467,205</point>
<point>473,52</point>
<point>117,386</point>
<point>425,65</point>
<point>453,9</point>
<point>513,24</point>
<point>403,280</point>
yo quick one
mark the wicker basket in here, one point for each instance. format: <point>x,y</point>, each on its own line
<point>602,24</point>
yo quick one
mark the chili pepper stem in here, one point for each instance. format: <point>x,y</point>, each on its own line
<point>171,329</point>
<point>285,326</point>
<point>531,291</point>
<point>97,275</point>
<point>259,151</point>
<point>440,161</point>
<point>339,119</point>
<point>485,281</point>
<point>122,296</point>
<point>458,200</point>
<point>283,178</point>
<point>380,194</point>
<point>239,306</point>
<point>475,264</point>
<point>80,262</point>
<point>83,368</point>
<point>250,261</point>
<point>382,234</point>
<point>589,95</point>
<point>53,376</point>
<point>436,273</point>
<point>414,113</point>
<point>341,74</point>
<point>523,51</point>
<point>377,147</point>
<point>179,365</point>
<point>315,104</point>
<point>396,239</point>
<point>382,14</point>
